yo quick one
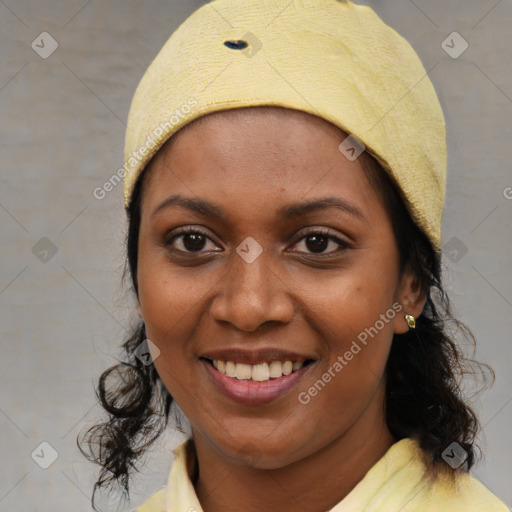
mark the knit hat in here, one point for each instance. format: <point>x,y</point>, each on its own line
<point>330,58</point>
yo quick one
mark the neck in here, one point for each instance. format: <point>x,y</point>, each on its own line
<point>315,483</point>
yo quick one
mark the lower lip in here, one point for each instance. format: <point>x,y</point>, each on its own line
<point>251,392</point>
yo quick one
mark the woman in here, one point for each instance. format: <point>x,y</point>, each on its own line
<point>285,180</point>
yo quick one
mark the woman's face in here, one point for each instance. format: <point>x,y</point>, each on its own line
<point>261,278</point>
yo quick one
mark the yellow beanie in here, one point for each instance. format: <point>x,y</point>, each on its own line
<point>331,58</point>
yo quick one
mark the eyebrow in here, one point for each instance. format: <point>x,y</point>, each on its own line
<point>289,211</point>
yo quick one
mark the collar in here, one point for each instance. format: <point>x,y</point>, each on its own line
<point>401,465</point>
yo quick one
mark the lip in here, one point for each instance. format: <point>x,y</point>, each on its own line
<point>249,392</point>
<point>266,355</point>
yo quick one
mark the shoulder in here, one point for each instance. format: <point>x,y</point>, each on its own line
<point>155,503</point>
<point>453,492</point>
<point>466,494</point>
<point>400,481</point>
<point>178,491</point>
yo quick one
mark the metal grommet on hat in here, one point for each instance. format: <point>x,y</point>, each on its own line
<point>236,45</point>
<point>334,59</point>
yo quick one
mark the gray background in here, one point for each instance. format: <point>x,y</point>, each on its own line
<point>63,315</point>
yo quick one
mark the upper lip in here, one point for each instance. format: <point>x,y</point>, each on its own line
<point>264,355</point>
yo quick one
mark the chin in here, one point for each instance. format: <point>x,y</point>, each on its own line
<point>259,454</point>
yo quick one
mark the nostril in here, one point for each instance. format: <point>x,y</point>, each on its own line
<point>236,45</point>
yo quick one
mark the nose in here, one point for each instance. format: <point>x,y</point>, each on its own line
<point>252,294</point>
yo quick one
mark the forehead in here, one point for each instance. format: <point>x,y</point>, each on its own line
<point>261,133</point>
<point>259,155</point>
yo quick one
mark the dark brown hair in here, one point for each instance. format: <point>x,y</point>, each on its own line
<point>423,374</point>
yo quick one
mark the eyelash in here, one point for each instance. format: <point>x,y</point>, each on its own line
<point>318,231</point>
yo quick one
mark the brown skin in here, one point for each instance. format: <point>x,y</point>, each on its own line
<point>282,455</point>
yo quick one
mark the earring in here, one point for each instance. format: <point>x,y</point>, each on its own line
<point>411,321</point>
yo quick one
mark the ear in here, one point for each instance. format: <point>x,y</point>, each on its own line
<point>411,298</point>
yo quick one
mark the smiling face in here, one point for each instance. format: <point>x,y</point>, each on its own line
<point>259,279</point>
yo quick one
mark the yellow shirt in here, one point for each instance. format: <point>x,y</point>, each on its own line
<point>396,483</point>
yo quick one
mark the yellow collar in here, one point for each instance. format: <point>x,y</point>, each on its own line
<point>403,456</point>
<point>396,482</point>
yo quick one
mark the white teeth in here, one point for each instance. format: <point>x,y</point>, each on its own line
<point>258,372</point>
<point>276,369</point>
<point>230,369</point>
<point>243,371</point>
<point>287,368</point>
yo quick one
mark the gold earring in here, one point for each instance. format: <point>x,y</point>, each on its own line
<point>411,321</point>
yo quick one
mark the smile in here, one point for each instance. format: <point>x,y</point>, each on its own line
<point>253,384</point>
<point>257,372</point>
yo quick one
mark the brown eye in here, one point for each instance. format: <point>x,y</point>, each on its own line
<point>194,241</point>
<point>318,241</point>
<point>190,240</point>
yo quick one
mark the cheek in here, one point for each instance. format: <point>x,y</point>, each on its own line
<point>168,295</point>
<point>172,301</point>
<point>164,306</point>
<point>346,304</point>
<point>355,315</point>
<point>167,307</point>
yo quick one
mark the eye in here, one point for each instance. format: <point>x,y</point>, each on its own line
<point>320,239</point>
<point>191,240</point>
<point>194,240</point>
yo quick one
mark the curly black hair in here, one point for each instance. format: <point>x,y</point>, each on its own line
<point>424,371</point>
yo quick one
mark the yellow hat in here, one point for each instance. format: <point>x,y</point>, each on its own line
<point>331,58</point>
